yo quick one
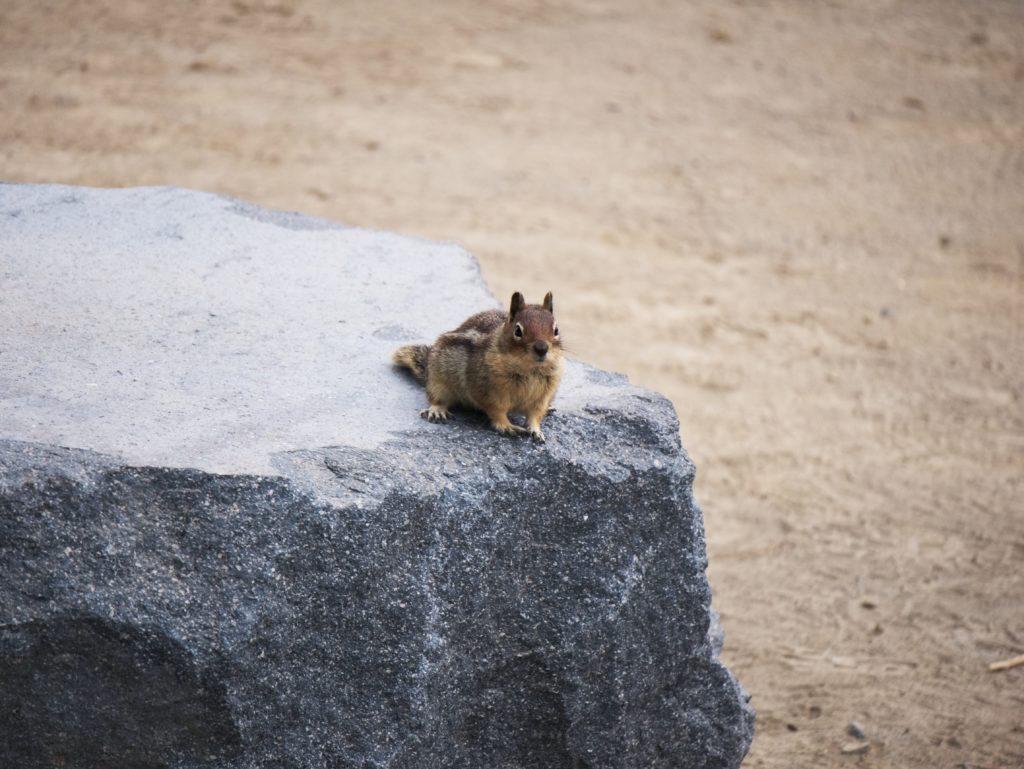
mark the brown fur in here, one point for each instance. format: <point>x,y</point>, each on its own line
<point>413,357</point>
<point>483,365</point>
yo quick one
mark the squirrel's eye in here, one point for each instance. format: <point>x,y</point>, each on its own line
<point>556,330</point>
<point>518,331</point>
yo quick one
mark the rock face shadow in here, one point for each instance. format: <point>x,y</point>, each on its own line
<point>517,716</point>
<point>89,693</point>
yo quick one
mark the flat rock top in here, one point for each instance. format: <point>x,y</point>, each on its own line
<point>177,328</point>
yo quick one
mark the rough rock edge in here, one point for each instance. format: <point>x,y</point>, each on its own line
<point>339,478</point>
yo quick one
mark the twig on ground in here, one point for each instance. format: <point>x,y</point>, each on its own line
<point>1007,664</point>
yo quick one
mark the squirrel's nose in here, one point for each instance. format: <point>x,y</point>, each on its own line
<point>541,348</point>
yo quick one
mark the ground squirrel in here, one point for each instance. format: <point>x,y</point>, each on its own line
<point>495,362</point>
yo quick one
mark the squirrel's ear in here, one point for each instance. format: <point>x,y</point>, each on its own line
<point>549,302</point>
<point>517,304</point>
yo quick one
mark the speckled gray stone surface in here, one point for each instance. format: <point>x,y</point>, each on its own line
<point>228,540</point>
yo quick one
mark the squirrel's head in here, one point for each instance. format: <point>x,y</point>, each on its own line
<point>531,330</point>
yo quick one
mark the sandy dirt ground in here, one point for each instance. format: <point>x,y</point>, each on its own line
<point>802,221</point>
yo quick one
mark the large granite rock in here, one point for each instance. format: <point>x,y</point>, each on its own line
<point>228,540</point>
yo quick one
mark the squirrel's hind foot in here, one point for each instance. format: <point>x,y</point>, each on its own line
<point>436,414</point>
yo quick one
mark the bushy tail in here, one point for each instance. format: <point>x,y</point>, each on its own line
<point>414,358</point>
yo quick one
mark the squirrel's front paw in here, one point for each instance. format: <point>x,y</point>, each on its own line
<point>537,435</point>
<point>510,429</point>
<point>435,414</point>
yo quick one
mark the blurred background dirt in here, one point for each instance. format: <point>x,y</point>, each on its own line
<point>803,222</point>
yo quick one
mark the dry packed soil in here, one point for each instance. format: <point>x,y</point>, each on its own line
<point>802,221</point>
